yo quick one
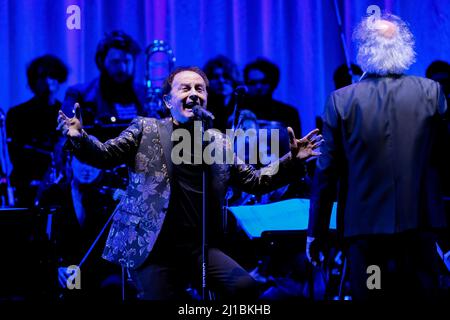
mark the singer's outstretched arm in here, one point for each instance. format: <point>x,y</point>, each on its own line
<point>281,172</point>
<point>90,150</point>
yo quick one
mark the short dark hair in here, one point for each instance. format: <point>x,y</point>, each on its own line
<point>270,70</point>
<point>437,66</point>
<point>230,69</point>
<point>116,39</point>
<point>341,76</point>
<point>46,66</point>
<point>167,86</point>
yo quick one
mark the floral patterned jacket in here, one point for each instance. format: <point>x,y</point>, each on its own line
<point>145,146</point>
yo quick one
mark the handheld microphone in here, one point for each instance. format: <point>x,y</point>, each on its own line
<point>202,113</point>
<point>241,90</point>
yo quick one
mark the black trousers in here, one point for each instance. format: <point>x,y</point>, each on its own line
<point>408,264</point>
<point>166,276</point>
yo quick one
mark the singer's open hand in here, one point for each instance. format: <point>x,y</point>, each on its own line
<point>70,127</point>
<point>306,148</point>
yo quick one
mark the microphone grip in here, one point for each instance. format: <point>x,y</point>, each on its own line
<point>203,113</point>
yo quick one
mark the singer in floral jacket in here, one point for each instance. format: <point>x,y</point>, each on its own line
<point>157,227</point>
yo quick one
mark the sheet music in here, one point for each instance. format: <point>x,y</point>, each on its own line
<point>285,215</point>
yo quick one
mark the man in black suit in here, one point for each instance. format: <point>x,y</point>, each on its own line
<point>382,151</point>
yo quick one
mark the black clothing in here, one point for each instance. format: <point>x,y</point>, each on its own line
<point>31,129</point>
<point>384,138</point>
<point>184,217</point>
<point>409,266</point>
<point>168,277</point>
<point>221,111</point>
<point>104,102</point>
<point>274,110</point>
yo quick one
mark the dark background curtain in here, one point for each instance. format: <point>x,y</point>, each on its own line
<point>302,37</point>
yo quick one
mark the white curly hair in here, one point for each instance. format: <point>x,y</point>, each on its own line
<point>385,45</point>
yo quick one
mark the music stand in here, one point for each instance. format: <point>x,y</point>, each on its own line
<point>281,227</point>
<point>283,216</point>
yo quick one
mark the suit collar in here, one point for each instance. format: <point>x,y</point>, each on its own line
<point>367,75</point>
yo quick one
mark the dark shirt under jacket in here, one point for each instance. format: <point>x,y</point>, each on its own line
<point>183,221</point>
<point>182,228</point>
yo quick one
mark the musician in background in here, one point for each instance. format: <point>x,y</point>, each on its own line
<point>343,78</point>
<point>248,121</point>
<point>92,195</point>
<point>113,97</point>
<point>440,71</point>
<point>224,77</point>
<point>30,145</point>
<point>262,78</point>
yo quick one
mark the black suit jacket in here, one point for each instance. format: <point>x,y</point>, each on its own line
<point>382,149</point>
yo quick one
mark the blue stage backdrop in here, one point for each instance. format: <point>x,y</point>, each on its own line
<point>302,37</point>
